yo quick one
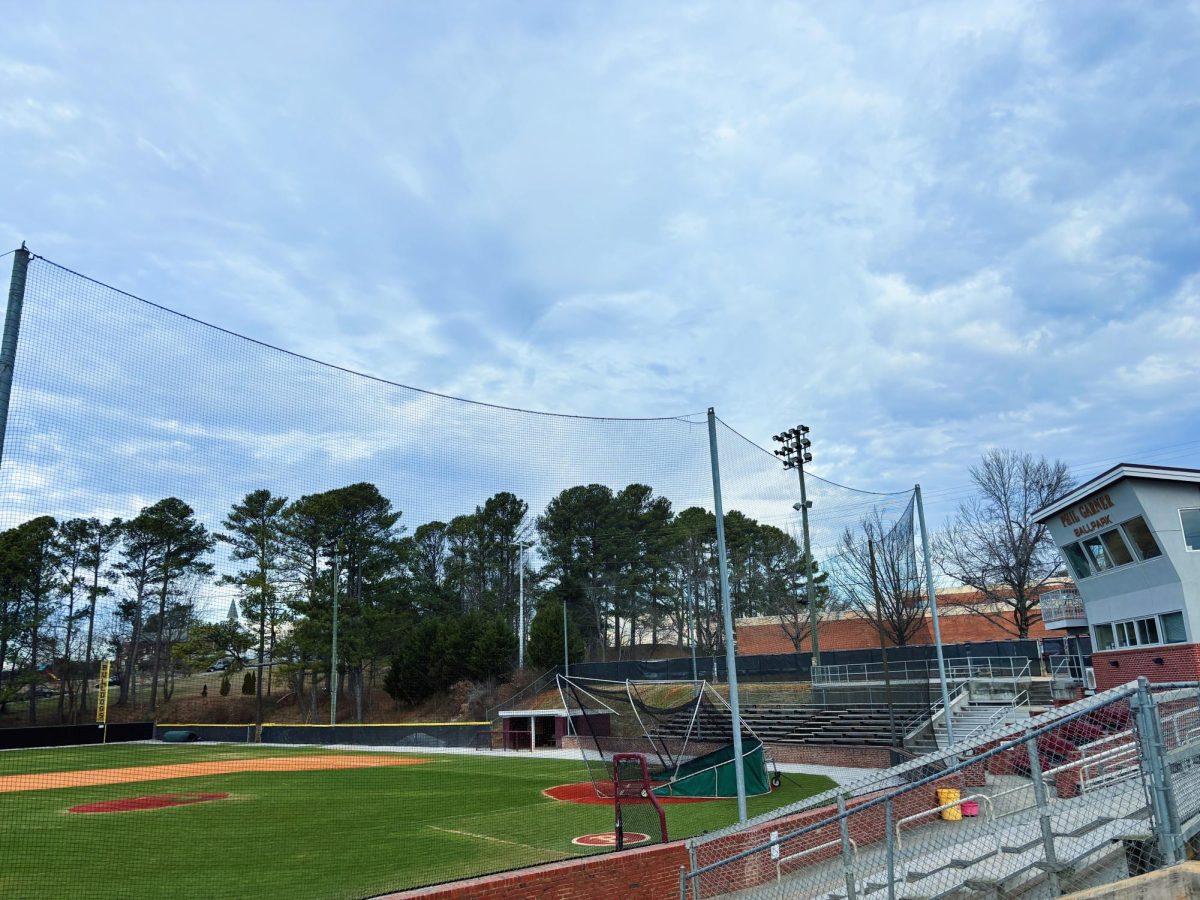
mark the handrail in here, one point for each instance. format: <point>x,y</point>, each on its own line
<point>907,670</point>
<point>930,715</point>
<point>793,856</point>
<point>937,809</point>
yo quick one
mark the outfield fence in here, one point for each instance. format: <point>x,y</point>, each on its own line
<point>1083,795</point>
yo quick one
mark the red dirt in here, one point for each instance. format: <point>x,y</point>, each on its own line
<point>92,777</point>
<point>583,792</point>
<point>154,801</point>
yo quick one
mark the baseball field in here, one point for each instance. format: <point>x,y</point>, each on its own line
<point>211,821</point>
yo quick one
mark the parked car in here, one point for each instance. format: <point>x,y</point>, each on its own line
<point>220,665</point>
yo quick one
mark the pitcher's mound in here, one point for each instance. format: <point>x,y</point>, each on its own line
<point>154,801</point>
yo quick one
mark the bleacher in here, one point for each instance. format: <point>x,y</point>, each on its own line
<point>862,725</point>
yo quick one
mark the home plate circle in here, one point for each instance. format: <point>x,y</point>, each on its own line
<point>609,839</point>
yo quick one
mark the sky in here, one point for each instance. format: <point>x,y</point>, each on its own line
<point>922,229</point>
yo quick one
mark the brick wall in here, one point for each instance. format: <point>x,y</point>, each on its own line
<point>1180,662</point>
<point>647,873</point>
<point>816,754</point>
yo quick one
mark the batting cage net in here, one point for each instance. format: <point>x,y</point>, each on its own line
<point>329,578</point>
<point>684,730</point>
<point>639,816</point>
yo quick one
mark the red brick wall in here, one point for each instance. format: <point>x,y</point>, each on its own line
<point>1180,662</point>
<point>814,754</point>
<point>649,873</point>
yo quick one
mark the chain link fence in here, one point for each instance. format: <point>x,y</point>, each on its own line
<point>1080,796</point>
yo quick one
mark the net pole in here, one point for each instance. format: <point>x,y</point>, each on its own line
<point>12,328</point>
<point>727,612</point>
<point>333,665</point>
<point>566,644</point>
<point>933,612</point>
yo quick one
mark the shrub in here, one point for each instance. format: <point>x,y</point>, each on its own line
<point>248,683</point>
<point>224,685</point>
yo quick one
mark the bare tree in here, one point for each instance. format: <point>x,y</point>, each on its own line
<point>993,544</point>
<point>898,610</point>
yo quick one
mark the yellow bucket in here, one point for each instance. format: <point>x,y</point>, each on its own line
<point>950,795</point>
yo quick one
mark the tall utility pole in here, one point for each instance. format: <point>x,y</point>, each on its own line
<point>794,454</point>
<point>521,605</point>
<point>12,328</point>
<point>739,772</point>
<point>333,668</point>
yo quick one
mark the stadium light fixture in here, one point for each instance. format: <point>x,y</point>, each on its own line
<point>794,453</point>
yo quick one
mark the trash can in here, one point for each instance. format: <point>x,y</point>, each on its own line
<point>949,795</point>
<point>970,808</point>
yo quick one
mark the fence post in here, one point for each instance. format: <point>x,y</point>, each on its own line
<point>1047,825</point>
<point>847,849</point>
<point>692,867</point>
<point>1150,748</point>
<point>12,328</point>
<point>888,815</point>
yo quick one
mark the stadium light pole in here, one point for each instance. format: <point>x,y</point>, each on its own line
<point>794,453</point>
<point>521,604</point>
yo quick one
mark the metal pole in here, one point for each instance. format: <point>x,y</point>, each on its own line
<point>727,611</point>
<point>692,632</point>
<point>333,672</point>
<point>12,328</point>
<point>1043,806</point>
<point>847,848</point>
<point>566,646</point>
<point>521,607</point>
<point>1150,749</point>
<point>808,560</point>
<point>888,815</point>
<point>933,612</point>
<point>887,675</point>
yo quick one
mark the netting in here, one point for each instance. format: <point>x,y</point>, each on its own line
<point>683,729</point>
<point>639,817</point>
<point>207,512</point>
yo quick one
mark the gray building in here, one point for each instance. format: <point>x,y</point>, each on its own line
<point>1131,540</point>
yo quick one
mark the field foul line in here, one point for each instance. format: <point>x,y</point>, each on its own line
<point>495,840</point>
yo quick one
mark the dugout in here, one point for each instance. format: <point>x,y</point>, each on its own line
<point>525,729</point>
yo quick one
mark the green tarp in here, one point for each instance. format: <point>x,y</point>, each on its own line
<point>712,775</point>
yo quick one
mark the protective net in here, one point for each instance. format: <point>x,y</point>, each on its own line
<point>639,816</point>
<point>684,730</point>
<point>262,544</point>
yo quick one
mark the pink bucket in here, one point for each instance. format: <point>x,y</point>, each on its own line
<point>970,808</point>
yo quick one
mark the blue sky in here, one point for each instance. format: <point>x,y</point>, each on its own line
<point>923,229</point>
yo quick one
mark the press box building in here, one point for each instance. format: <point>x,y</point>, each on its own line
<point>1131,539</point>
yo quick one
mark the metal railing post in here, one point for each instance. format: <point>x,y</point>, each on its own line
<point>888,816</point>
<point>847,848</point>
<point>1043,805</point>
<point>1150,748</point>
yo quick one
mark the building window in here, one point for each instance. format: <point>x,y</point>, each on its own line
<point>1109,550</point>
<point>1165,629</point>
<point>1077,559</point>
<point>1141,537</point>
<point>1190,519</point>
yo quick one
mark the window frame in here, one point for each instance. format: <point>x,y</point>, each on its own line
<point>1133,544</point>
<point>1183,528</point>
<point>1129,634</point>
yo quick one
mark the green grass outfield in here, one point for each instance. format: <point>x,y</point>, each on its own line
<point>334,833</point>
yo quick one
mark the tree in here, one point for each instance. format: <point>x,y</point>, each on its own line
<point>993,543</point>
<point>545,648</point>
<point>891,597</point>
<point>28,579</point>
<point>175,544</point>
<point>255,534</point>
